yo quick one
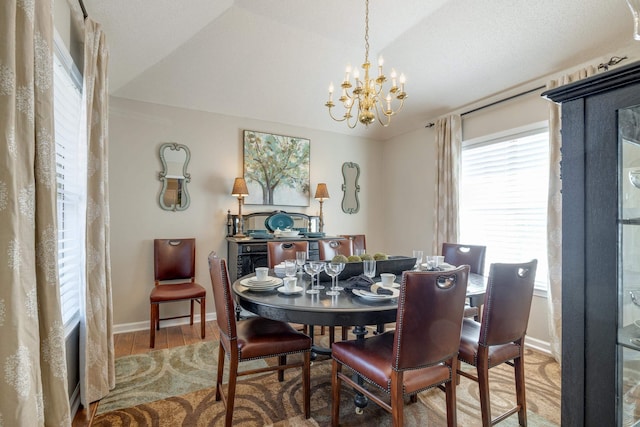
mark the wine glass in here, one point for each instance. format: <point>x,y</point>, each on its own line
<point>333,269</point>
<point>301,258</point>
<point>318,267</point>
<point>369,267</point>
<point>311,271</point>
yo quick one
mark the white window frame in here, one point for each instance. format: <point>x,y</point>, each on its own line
<point>70,183</point>
<point>487,188</point>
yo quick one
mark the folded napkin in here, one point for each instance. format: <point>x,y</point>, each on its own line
<point>365,283</point>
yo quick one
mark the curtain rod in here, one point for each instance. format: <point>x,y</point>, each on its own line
<point>84,10</point>
<point>496,102</point>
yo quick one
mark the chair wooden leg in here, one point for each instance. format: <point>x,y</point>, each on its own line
<point>191,313</point>
<point>282,360</point>
<point>518,365</point>
<point>152,326</point>
<point>231,393</point>
<point>397,401</point>
<point>483,385</point>
<point>306,384</point>
<point>335,393</point>
<point>450,393</point>
<point>221,357</point>
<point>203,317</point>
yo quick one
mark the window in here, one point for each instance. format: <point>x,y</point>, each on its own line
<point>503,197</point>
<point>70,182</point>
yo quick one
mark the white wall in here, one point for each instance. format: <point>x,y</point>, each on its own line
<point>136,131</point>
<point>411,157</point>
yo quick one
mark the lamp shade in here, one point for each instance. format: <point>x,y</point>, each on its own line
<point>239,188</point>
<point>322,192</point>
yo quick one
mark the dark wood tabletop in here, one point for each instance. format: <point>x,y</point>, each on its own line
<point>321,309</point>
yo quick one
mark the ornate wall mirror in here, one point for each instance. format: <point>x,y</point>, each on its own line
<point>350,173</point>
<point>174,177</point>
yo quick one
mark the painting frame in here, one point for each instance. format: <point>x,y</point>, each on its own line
<point>276,168</point>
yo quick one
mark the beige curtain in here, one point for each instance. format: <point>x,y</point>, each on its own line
<point>554,215</point>
<point>97,374</point>
<point>33,372</point>
<point>449,146</point>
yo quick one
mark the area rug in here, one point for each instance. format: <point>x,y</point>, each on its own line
<point>164,373</point>
<point>263,401</point>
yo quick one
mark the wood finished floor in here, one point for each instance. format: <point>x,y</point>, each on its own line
<point>138,342</point>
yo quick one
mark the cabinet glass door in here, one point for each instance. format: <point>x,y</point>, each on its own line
<point>629,267</point>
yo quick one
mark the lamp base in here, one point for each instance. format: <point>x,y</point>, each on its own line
<point>240,235</point>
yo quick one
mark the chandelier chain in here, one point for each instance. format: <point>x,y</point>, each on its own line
<point>366,32</point>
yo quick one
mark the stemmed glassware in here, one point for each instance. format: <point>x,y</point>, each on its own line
<point>301,258</point>
<point>313,268</point>
<point>333,269</point>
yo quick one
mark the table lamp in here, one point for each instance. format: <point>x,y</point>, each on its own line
<point>321,194</point>
<point>240,191</point>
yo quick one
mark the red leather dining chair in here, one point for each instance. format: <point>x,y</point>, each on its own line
<point>422,351</point>
<point>460,254</point>
<point>278,252</point>
<point>499,337</point>
<point>327,249</point>
<point>250,339</point>
<point>471,255</point>
<point>358,241</point>
<point>174,261</point>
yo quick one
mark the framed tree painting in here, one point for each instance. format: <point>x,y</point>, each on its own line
<point>276,169</point>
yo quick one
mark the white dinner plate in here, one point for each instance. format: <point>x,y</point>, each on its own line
<point>375,297</point>
<point>266,285</point>
<point>285,291</point>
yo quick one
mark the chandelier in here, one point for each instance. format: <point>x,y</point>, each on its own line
<point>368,93</point>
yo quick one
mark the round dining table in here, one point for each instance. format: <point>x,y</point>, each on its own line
<point>320,309</point>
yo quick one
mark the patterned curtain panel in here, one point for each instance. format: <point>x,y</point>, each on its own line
<point>97,373</point>
<point>554,215</point>
<point>449,147</point>
<point>33,372</point>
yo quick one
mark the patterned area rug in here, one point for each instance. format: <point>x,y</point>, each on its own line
<point>188,399</point>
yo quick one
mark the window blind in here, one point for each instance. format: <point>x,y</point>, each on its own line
<point>503,198</point>
<point>70,183</point>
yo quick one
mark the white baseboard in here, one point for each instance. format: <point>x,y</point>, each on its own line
<point>144,326</point>
<point>541,346</point>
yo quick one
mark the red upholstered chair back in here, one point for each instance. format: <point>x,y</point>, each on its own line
<point>327,249</point>
<point>507,303</point>
<point>459,254</point>
<point>429,319</point>
<point>358,241</point>
<point>174,259</point>
<point>277,252</point>
<point>222,296</point>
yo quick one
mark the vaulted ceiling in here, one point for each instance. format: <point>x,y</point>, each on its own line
<point>273,60</point>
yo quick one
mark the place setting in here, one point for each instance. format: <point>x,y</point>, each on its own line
<point>261,282</point>
<point>364,286</point>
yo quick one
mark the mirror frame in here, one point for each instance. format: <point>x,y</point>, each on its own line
<point>186,200</point>
<point>347,187</point>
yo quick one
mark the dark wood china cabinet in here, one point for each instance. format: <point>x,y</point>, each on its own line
<point>601,248</point>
